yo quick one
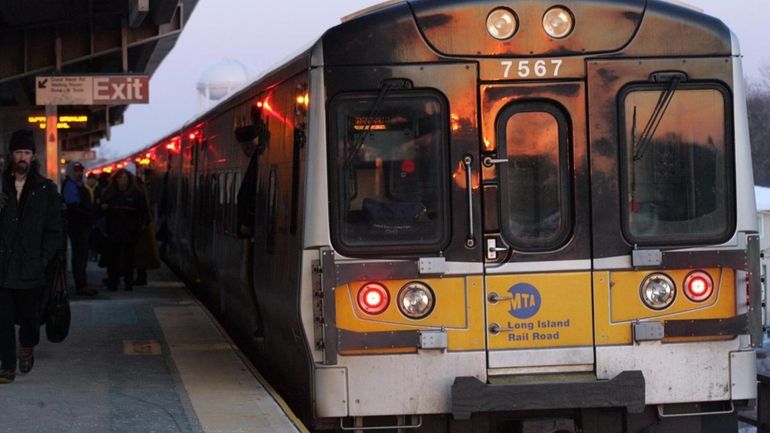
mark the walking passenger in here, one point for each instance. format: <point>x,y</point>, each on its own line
<point>99,234</point>
<point>91,183</point>
<point>142,252</point>
<point>31,234</point>
<point>125,210</point>
<point>80,221</point>
<point>93,249</point>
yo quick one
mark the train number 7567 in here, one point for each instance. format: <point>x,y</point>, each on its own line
<point>532,68</point>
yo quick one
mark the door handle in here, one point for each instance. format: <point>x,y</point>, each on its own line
<point>489,161</point>
<point>493,249</point>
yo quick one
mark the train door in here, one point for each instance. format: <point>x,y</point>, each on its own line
<point>537,248</point>
<point>669,135</point>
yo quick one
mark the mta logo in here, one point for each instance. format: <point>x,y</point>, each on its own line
<point>525,301</point>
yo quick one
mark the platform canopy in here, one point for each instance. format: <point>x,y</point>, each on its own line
<point>39,37</point>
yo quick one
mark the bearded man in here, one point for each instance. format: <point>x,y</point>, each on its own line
<point>31,234</point>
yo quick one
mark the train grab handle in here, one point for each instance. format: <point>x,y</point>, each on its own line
<point>470,241</point>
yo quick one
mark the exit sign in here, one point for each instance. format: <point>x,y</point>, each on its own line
<point>92,89</point>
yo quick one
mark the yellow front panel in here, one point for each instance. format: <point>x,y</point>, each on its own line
<point>459,309</point>
<point>540,310</point>
<point>618,302</point>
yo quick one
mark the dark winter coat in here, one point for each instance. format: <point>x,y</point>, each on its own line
<point>31,232</point>
<point>125,215</point>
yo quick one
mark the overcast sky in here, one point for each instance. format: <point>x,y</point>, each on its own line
<point>261,33</point>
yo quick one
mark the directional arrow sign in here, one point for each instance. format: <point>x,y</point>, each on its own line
<point>64,90</point>
<point>92,89</point>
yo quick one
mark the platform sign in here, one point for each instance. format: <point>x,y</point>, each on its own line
<point>92,89</point>
<point>78,155</point>
<point>65,121</point>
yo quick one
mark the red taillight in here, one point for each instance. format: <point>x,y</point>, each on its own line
<point>373,298</point>
<point>407,166</point>
<point>698,286</point>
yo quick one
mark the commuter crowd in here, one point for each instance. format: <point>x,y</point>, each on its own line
<point>107,219</point>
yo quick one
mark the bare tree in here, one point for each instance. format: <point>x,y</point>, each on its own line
<point>758,104</point>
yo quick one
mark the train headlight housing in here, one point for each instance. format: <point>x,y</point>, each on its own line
<point>502,23</point>
<point>558,22</point>
<point>658,291</point>
<point>373,298</point>
<point>415,300</point>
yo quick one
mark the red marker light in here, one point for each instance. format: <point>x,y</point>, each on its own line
<point>373,298</point>
<point>698,286</point>
<point>192,136</point>
<point>407,166</point>
<point>172,146</point>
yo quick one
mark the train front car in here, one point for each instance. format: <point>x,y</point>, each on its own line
<point>539,217</point>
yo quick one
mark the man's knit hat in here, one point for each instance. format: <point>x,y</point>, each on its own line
<point>22,139</point>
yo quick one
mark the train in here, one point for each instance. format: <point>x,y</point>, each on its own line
<point>483,216</point>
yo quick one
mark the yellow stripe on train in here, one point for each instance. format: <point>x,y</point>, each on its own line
<point>539,310</point>
<point>458,308</point>
<point>618,303</point>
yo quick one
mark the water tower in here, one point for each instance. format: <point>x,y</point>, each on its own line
<point>219,80</point>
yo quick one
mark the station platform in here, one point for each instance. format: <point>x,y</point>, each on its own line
<point>148,360</point>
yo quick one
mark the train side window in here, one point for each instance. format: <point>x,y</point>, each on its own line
<point>236,185</point>
<point>221,203</point>
<point>215,200</point>
<point>272,202</point>
<point>676,164</point>
<point>228,200</point>
<point>221,189</point>
<point>186,195</point>
<point>535,186</point>
<point>200,188</point>
<point>233,204</point>
<point>389,172</point>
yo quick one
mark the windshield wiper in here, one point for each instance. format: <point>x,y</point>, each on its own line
<point>652,124</point>
<point>386,88</point>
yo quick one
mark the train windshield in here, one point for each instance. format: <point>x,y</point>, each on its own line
<point>390,165</point>
<point>676,162</point>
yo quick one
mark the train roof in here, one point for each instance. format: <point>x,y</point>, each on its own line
<point>388,3</point>
<point>429,30</point>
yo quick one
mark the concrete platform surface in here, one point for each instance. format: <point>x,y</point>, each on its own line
<point>150,360</point>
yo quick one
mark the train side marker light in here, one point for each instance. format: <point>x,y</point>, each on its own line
<point>373,298</point>
<point>698,286</point>
<point>558,22</point>
<point>657,291</point>
<point>415,300</point>
<point>502,23</point>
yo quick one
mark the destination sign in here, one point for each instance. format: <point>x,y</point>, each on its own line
<point>77,155</point>
<point>92,89</point>
<point>65,121</point>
